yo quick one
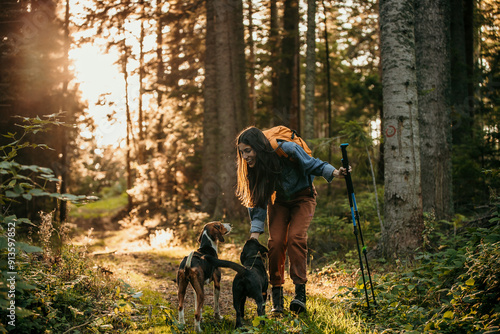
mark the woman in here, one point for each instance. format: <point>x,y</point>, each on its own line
<point>281,190</point>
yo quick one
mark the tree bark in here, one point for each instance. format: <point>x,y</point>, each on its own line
<point>230,102</point>
<point>64,142</point>
<point>288,112</point>
<point>310,70</point>
<point>210,186</point>
<point>128,162</point>
<point>140,153</point>
<point>239,66</point>
<point>461,114</point>
<point>252,105</point>
<point>160,68</point>
<point>403,199</point>
<point>433,75</point>
<point>275,62</point>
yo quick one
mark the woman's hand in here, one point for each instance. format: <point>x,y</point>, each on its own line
<point>254,235</point>
<point>341,172</point>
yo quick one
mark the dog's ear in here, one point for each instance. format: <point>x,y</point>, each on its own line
<point>243,258</point>
<point>218,231</point>
<point>201,234</point>
<point>214,230</point>
<point>220,237</point>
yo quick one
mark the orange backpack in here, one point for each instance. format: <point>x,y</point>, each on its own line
<point>281,132</point>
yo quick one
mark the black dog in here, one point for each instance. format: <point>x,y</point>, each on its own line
<point>250,281</point>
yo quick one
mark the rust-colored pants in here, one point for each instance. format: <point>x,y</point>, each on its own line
<point>288,224</point>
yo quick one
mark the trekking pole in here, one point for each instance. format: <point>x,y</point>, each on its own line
<point>357,227</point>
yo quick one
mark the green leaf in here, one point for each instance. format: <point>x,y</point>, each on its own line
<point>38,192</point>
<point>448,315</point>
<point>11,194</point>
<point>33,168</point>
<point>137,294</point>
<point>9,135</point>
<point>27,196</point>
<point>22,285</point>
<point>18,189</point>
<point>470,282</point>
<point>3,242</point>
<point>28,248</point>
<point>46,170</point>
<point>26,221</point>
<point>5,164</point>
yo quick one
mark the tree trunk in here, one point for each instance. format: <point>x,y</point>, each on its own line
<point>210,185</point>
<point>160,68</point>
<point>140,153</point>
<point>251,65</point>
<point>64,159</point>
<point>124,62</point>
<point>328,80</point>
<point>403,199</point>
<point>239,66</point>
<point>328,92</point>
<point>275,62</point>
<point>433,76</point>
<point>310,70</point>
<point>288,112</point>
<point>461,115</point>
<point>471,36</point>
<point>229,102</point>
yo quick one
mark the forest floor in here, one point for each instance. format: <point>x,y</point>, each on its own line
<point>133,253</point>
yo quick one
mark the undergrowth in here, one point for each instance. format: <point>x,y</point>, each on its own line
<point>452,288</point>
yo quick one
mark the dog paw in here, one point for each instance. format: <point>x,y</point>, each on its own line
<point>217,316</point>
<point>197,327</point>
<point>181,318</point>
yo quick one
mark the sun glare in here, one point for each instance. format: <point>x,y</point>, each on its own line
<point>95,72</point>
<point>102,88</point>
<point>102,83</point>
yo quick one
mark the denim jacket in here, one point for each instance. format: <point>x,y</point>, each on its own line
<point>297,174</point>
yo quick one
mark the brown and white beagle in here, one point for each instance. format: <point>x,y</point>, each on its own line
<point>197,271</point>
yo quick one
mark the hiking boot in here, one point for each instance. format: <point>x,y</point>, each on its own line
<point>277,296</point>
<point>298,304</point>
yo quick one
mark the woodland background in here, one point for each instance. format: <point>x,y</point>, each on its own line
<point>194,74</point>
<point>411,85</point>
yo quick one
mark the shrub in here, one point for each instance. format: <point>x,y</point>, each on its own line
<point>452,290</point>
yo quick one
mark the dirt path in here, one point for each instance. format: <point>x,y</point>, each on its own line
<point>127,251</point>
<point>130,253</point>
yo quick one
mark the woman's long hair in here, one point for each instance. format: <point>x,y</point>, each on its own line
<point>257,185</point>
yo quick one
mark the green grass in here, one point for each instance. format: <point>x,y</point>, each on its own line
<point>100,209</point>
<point>450,287</point>
<point>323,317</point>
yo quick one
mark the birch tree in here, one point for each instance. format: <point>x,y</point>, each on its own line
<point>403,218</point>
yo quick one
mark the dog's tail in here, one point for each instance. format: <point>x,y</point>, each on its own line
<point>225,264</point>
<point>188,261</point>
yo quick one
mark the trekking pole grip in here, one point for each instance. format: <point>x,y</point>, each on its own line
<point>345,164</point>
<point>345,161</point>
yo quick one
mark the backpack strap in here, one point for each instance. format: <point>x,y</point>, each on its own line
<point>280,150</point>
